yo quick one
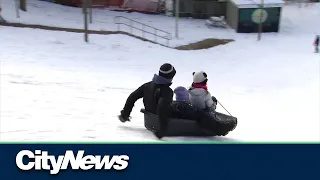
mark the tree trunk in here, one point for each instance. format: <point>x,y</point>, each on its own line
<point>23,5</point>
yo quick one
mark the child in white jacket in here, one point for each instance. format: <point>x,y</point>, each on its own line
<point>199,95</point>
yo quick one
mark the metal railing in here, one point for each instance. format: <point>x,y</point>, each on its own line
<point>131,24</point>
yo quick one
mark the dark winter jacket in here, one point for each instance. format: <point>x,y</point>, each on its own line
<point>157,97</point>
<point>316,42</point>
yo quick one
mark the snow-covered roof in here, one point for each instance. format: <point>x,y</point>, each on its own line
<point>256,3</point>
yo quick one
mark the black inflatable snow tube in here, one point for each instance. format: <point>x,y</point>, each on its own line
<point>219,126</point>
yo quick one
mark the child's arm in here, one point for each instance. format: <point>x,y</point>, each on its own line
<point>209,101</point>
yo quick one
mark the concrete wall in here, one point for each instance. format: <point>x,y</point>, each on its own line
<point>232,15</point>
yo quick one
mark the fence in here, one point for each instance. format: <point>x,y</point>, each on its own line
<point>120,20</point>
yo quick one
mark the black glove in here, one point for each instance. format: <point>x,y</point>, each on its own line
<point>214,99</point>
<point>123,117</point>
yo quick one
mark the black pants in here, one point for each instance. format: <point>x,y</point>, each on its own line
<point>184,110</point>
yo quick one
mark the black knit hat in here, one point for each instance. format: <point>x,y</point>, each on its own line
<point>167,71</point>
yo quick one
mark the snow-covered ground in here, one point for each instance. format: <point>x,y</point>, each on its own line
<point>190,30</point>
<point>56,87</point>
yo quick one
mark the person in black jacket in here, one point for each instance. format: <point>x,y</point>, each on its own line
<point>157,97</point>
<point>316,43</point>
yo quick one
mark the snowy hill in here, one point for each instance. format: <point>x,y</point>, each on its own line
<point>191,30</point>
<point>56,87</point>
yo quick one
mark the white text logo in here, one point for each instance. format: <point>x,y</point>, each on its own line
<point>41,160</point>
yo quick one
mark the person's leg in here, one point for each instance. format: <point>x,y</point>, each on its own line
<point>175,110</point>
<point>184,110</point>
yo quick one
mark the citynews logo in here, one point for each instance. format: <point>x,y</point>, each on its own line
<point>40,160</point>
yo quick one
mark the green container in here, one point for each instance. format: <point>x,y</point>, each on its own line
<point>248,23</point>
